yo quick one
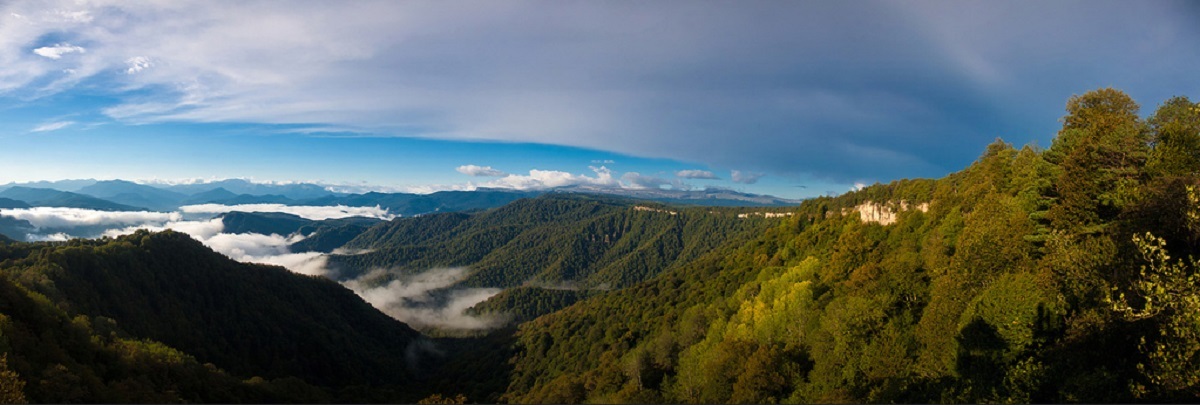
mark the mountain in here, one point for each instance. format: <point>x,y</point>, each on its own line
<point>259,199</point>
<point>1034,275</point>
<point>139,195</point>
<point>709,197</point>
<point>250,320</point>
<point>294,191</point>
<point>52,356</point>
<point>320,236</point>
<point>328,235</point>
<point>42,197</point>
<point>417,204</point>
<point>14,228</point>
<point>10,203</point>
<point>211,196</point>
<point>265,223</point>
<point>60,185</point>
<point>589,241</point>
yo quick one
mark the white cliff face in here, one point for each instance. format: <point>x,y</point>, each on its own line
<point>765,214</point>
<point>884,213</point>
<point>649,209</point>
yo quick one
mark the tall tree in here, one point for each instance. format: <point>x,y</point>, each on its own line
<point>1100,151</point>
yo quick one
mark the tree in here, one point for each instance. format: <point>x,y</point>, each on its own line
<point>12,387</point>
<point>1175,137</point>
<point>1100,151</point>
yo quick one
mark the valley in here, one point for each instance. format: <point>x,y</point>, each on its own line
<point>992,284</point>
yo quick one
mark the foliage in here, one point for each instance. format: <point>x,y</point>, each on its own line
<point>998,292</point>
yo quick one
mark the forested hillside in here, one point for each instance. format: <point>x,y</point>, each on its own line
<point>309,334</point>
<point>577,241</point>
<point>1064,274</point>
<point>1055,275</point>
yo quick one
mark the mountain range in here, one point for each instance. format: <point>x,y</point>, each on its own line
<point>121,195</point>
<point>1065,274</point>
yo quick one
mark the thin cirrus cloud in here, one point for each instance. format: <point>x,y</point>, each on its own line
<point>838,91</point>
<point>52,126</point>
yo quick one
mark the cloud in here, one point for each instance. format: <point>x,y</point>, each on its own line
<point>78,16</point>
<point>696,174</point>
<point>57,51</point>
<point>137,64</point>
<point>603,162</point>
<point>308,212</point>
<point>744,177</point>
<point>543,179</point>
<point>57,217</point>
<point>479,171</point>
<point>422,301</point>
<point>640,181</point>
<point>893,90</point>
<point>52,126</point>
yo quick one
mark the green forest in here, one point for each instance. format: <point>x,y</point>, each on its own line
<point>1057,274</point>
<point>1062,274</point>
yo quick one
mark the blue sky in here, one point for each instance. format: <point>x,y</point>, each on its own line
<point>800,98</point>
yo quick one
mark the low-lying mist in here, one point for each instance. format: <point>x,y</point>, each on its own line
<point>425,301</point>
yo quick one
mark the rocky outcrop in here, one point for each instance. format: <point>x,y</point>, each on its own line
<point>884,213</point>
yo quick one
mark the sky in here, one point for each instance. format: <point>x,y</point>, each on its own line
<point>788,98</point>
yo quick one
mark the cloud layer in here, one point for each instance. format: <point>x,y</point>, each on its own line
<point>412,299</point>
<point>842,91</point>
<point>307,212</point>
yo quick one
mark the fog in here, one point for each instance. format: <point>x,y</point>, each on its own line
<point>423,301</point>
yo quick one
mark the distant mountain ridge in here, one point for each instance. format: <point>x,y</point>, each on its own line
<point>123,195</point>
<point>44,197</point>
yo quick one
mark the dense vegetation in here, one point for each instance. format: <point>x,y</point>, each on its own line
<point>166,295</point>
<point>1064,274</point>
<point>560,240</point>
<point>1055,275</point>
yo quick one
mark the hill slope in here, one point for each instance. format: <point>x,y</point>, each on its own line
<point>251,320</point>
<point>1000,283</point>
<point>588,241</point>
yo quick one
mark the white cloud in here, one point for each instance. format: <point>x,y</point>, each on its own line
<point>57,51</point>
<point>54,237</point>
<point>696,174</point>
<point>479,171</point>
<point>58,217</point>
<point>640,79</point>
<point>543,179</point>
<point>745,177</point>
<point>858,186</point>
<point>410,299</point>
<point>137,64</point>
<point>79,16</point>
<point>308,212</point>
<point>640,181</point>
<point>52,126</point>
